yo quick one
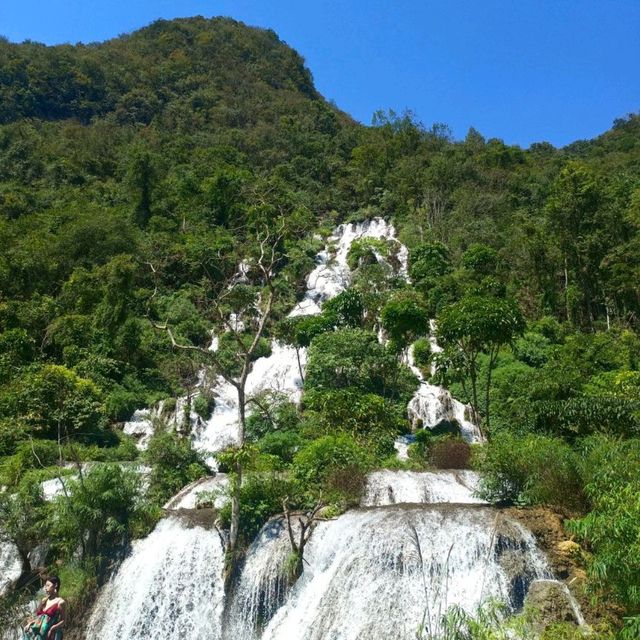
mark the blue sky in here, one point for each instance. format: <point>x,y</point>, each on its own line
<point>520,70</point>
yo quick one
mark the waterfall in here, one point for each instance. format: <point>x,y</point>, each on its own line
<point>170,587</point>
<point>426,487</point>
<point>280,371</point>
<point>263,584</point>
<point>213,490</point>
<point>419,543</point>
<point>10,565</point>
<point>385,572</point>
<point>433,405</point>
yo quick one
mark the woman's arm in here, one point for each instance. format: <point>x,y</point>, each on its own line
<point>60,623</point>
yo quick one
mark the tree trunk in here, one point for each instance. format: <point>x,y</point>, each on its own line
<point>234,529</point>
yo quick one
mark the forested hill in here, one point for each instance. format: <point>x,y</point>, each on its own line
<point>192,65</point>
<point>137,174</point>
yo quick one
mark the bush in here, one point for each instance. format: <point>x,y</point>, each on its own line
<point>354,358</point>
<point>121,403</point>
<point>204,404</point>
<point>78,586</point>
<point>174,464</point>
<point>282,444</point>
<point>422,353</point>
<point>533,469</point>
<point>450,454</point>
<point>260,498</point>
<point>101,512</point>
<point>271,411</point>
<point>319,467</point>
<point>34,454</point>
<point>372,420</point>
<point>609,469</point>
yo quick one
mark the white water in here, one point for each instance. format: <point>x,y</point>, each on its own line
<point>377,572</point>
<point>425,487</point>
<point>332,274</point>
<point>213,488</point>
<point>433,405</point>
<point>169,587</point>
<point>380,573</point>
<point>262,587</point>
<point>10,565</point>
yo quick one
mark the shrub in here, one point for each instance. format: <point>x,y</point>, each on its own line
<point>34,454</point>
<point>450,454</point>
<point>533,469</point>
<point>372,420</point>
<point>260,498</point>
<point>99,513</point>
<point>609,470</point>
<point>282,444</point>
<point>422,353</point>
<point>271,411</point>
<point>204,404</point>
<point>174,464</point>
<point>121,403</point>
<point>78,586</point>
<point>319,467</point>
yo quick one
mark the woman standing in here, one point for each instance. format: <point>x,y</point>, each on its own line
<point>49,620</point>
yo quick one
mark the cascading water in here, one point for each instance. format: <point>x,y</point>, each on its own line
<point>263,585</point>
<point>420,542</point>
<point>433,405</point>
<point>427,487</point>
<point>389,571</point>
<point>169,587</point>
<point>281,370</point>
<point>10,565</point>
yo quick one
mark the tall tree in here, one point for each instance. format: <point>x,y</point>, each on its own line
<point>470,327</point>
<point>247,337</point>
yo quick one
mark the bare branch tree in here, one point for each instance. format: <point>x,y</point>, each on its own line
<point>265,264</point>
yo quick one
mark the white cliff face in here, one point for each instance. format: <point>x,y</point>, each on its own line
<point>169,587</point>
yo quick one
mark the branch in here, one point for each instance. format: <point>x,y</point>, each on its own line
<point>211,355</point>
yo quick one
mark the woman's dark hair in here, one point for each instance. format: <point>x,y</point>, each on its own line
<point>55,581</point>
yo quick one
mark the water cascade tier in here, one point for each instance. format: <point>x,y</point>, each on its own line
<point>387,572</point>
<point>427,487</point>
<point>169,587</point>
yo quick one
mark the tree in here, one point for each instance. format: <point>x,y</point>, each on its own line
<point>405,319</point>
<point>235,369</point>
<point>573,210</point>
<point>472,326</point>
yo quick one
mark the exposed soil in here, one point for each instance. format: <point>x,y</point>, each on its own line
<point>567,559</point>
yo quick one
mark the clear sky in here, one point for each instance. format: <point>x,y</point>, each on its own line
<point>520,70</point>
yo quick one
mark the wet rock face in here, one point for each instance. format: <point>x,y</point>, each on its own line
<point>510,551</point>
<point>552,603</point>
